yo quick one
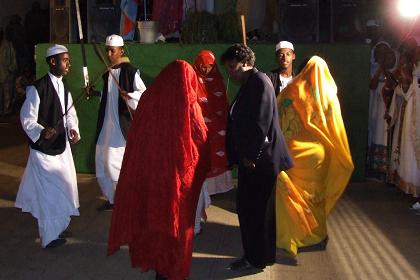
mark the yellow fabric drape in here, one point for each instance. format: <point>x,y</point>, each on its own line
<point>310,118</point>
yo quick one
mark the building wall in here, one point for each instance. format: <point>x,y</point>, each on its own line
<point>20,7</point>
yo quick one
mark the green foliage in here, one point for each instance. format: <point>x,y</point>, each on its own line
<point>199,27</point>
<point>228,27</point>
<point>203,27</point>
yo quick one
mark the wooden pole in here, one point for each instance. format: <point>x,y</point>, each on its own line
<point>82,44</point>
<point>243,30</point>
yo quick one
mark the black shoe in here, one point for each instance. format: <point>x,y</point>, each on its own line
<point>285,257</point>
<point>241,265</point>
<point>105,207</point>
<point>56,243</point>
<point>66,234</point>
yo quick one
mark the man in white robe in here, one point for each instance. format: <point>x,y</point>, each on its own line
<point>48,189</point>
<point>122,91</point>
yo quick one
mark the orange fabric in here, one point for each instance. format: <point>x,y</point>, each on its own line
<point>163,169</point>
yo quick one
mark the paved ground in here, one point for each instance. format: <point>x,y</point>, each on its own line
<point>373,235</point>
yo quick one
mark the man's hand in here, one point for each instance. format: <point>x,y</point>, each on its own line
<point>48,133</point>
<point>124,95</point>
<point>74,136</point>
<point>91,91</point>
<point>248,164</point>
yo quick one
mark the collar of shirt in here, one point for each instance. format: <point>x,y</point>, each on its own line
<point>55,78</point>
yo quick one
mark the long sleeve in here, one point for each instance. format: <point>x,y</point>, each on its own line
<point>255,119</point>
<point>29,114</point>
<point>139,88</point>
<point>72,121</point>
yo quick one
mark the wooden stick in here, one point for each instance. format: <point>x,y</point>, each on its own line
<point>243,29</point>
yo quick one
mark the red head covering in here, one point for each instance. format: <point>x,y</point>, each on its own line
<point>214,104</point>
<point>204,58</point>
<point>162,172</point>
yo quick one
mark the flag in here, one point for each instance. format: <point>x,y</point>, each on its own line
<point>128,18</point>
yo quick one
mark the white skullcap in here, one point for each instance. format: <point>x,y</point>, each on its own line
<point>114,41</point>
<point>371,22</point>
<point>284,45</point>
<point>56,49</point>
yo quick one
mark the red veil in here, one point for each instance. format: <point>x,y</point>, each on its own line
<point>162,172</point>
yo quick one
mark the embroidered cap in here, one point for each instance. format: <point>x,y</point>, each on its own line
<point>284,45</point>
<point>56,49</point>
<point>114,41</point>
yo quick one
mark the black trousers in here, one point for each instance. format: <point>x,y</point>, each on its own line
<point>256,213</point>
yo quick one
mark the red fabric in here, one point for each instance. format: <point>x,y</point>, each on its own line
<point>162,172</point>
<point>128,25</point>
<point>168,14</point>
<point>214,104</point>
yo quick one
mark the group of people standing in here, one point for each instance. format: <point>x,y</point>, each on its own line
<point>393,144</point>
<point>17,66</point>
<point>161,151</point>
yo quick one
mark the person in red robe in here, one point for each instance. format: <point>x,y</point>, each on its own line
<point>214,104</point>
<point>164,166</point>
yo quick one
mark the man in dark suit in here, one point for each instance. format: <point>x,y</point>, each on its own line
<point>256,144</point>
<point>280,77</point>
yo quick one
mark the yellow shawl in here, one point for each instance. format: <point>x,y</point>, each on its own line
<point>310,118</point>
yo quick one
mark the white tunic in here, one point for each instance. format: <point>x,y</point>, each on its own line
<point>285,81</point>
<point>111,143</point>
<point>405,158</point>
<point>377,125</point>
<point>48,189</point>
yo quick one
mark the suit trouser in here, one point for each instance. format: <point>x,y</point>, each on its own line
<point>255,206</point>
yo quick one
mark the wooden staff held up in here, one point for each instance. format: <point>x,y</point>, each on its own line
<point>243,29</point>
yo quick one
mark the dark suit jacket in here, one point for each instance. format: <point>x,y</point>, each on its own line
<point>253,130</point>
<point>273,75</point>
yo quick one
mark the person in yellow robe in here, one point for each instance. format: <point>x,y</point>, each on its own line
<point>310,118</point>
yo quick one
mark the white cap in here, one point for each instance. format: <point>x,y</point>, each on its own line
<point>372,22</point>
<point>284,45</point>
<point>114,41</point>
<point>56,49</point>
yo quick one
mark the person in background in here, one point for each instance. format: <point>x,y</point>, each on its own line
<point>8,69</point>
<point>377,160</point>
<point>281,77</point>
<point>37,27</point>
<point>404,118</point>
<point>214,105</point>
<point>15,32</point>
<point>310,117</point>
<point>121,93</point>
<point>374,32</point>
<point>256,144</point>
<point>24,80</point>
<point>48,189</point>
